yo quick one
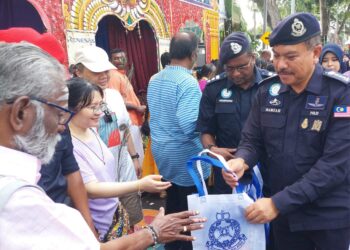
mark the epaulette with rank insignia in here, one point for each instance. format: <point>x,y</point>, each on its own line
<point>217,78</point>
<point>268,79</point>
<point>267,73</point>
<point>337,76</point>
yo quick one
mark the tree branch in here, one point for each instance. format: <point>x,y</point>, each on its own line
<point>346,16</point>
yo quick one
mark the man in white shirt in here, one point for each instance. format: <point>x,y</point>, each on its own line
<point>33,101</point>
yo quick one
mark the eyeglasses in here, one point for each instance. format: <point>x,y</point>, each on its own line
<point>101,107</point>
<point>239,69</point>
<point>64,115</point>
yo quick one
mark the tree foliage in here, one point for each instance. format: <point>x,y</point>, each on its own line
<point>334,16</point>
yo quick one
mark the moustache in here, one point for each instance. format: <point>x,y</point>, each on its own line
<point>284,72</point>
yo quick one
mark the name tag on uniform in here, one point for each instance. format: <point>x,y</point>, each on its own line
<point>272,110</point>
<point>316,102</point>
<point>225,100</point>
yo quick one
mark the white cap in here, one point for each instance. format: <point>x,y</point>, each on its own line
<point>94,58</point>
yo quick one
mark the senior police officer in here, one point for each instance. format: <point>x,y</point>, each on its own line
<point>300,123</point>
<point>226,101</point>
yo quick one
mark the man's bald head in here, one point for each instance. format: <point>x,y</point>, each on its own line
<point>183,45</point>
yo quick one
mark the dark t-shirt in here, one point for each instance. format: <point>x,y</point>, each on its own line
<point>53,179</point>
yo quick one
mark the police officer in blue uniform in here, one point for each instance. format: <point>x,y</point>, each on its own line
<point>300,124</point>
<point>227,99</point>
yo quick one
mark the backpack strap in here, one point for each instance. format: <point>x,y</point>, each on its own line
<point>10,188</point>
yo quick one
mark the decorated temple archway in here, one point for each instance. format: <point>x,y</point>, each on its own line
<point>82,18</point>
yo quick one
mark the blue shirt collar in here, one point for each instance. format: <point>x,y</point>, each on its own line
<point>178,67</point>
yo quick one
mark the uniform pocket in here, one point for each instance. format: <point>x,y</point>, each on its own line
<point>273,130</point>
<point>273,120</point>
<point>225,108</point>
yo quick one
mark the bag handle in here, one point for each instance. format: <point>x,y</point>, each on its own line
<point>219,162</point>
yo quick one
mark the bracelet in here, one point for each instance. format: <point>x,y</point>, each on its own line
<point>139,192</point>
<point>154,235</point>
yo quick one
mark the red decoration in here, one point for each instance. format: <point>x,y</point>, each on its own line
<point>177,13</point>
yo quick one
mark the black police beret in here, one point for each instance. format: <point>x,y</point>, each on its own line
<point>234,45</point>
<point>294,29</point>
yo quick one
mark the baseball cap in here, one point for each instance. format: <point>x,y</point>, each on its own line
<point>94,58</point>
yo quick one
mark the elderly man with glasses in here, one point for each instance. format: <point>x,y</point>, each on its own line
<point>227,99</point>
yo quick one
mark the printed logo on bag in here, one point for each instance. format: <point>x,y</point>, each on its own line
<point>225,233</point>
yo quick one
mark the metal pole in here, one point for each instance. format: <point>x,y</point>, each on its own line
<point>265,20</point>
<point>292,7</point>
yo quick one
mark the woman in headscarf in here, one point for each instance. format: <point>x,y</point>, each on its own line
<point>332,58</point>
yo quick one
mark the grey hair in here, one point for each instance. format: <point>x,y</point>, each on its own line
<point>312,42</point>
<point>26,70</point>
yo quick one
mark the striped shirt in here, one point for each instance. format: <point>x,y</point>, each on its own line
<point>173,98</point>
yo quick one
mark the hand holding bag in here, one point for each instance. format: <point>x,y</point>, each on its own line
<point>226,228</point>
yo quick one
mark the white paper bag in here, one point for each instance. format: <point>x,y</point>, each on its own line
<point>226,228</point>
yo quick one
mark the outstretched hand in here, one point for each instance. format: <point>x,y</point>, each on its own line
<point>170,227</point>
<point>153,184</point>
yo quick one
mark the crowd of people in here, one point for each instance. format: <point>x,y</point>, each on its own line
<point>73,161</point>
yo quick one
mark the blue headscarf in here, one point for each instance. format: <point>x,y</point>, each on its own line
<point>337,51</point>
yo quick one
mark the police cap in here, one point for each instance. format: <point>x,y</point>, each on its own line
<point>233,46</point>
<point>295,29</point>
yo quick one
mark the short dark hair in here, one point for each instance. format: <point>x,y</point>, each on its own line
<point>165,59</point>
<point>205,70</point>
<point>182,47</point>
<point>81,93</point>
<point>116,51</point>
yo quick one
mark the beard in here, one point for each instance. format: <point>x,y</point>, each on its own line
<point>38,142</point>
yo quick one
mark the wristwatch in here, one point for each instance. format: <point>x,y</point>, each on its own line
<point>135,156</point>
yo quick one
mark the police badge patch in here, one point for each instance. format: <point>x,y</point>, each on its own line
<point>298,28</point>
<point>225,93</point>
<point>274,89</point>
<point>236,48</point>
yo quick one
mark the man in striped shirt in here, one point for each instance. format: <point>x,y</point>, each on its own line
<point>173,98</point>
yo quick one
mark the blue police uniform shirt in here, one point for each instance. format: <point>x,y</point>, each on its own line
<point>53,179</point>
<point>223,110</point>
<point>306,149</point>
